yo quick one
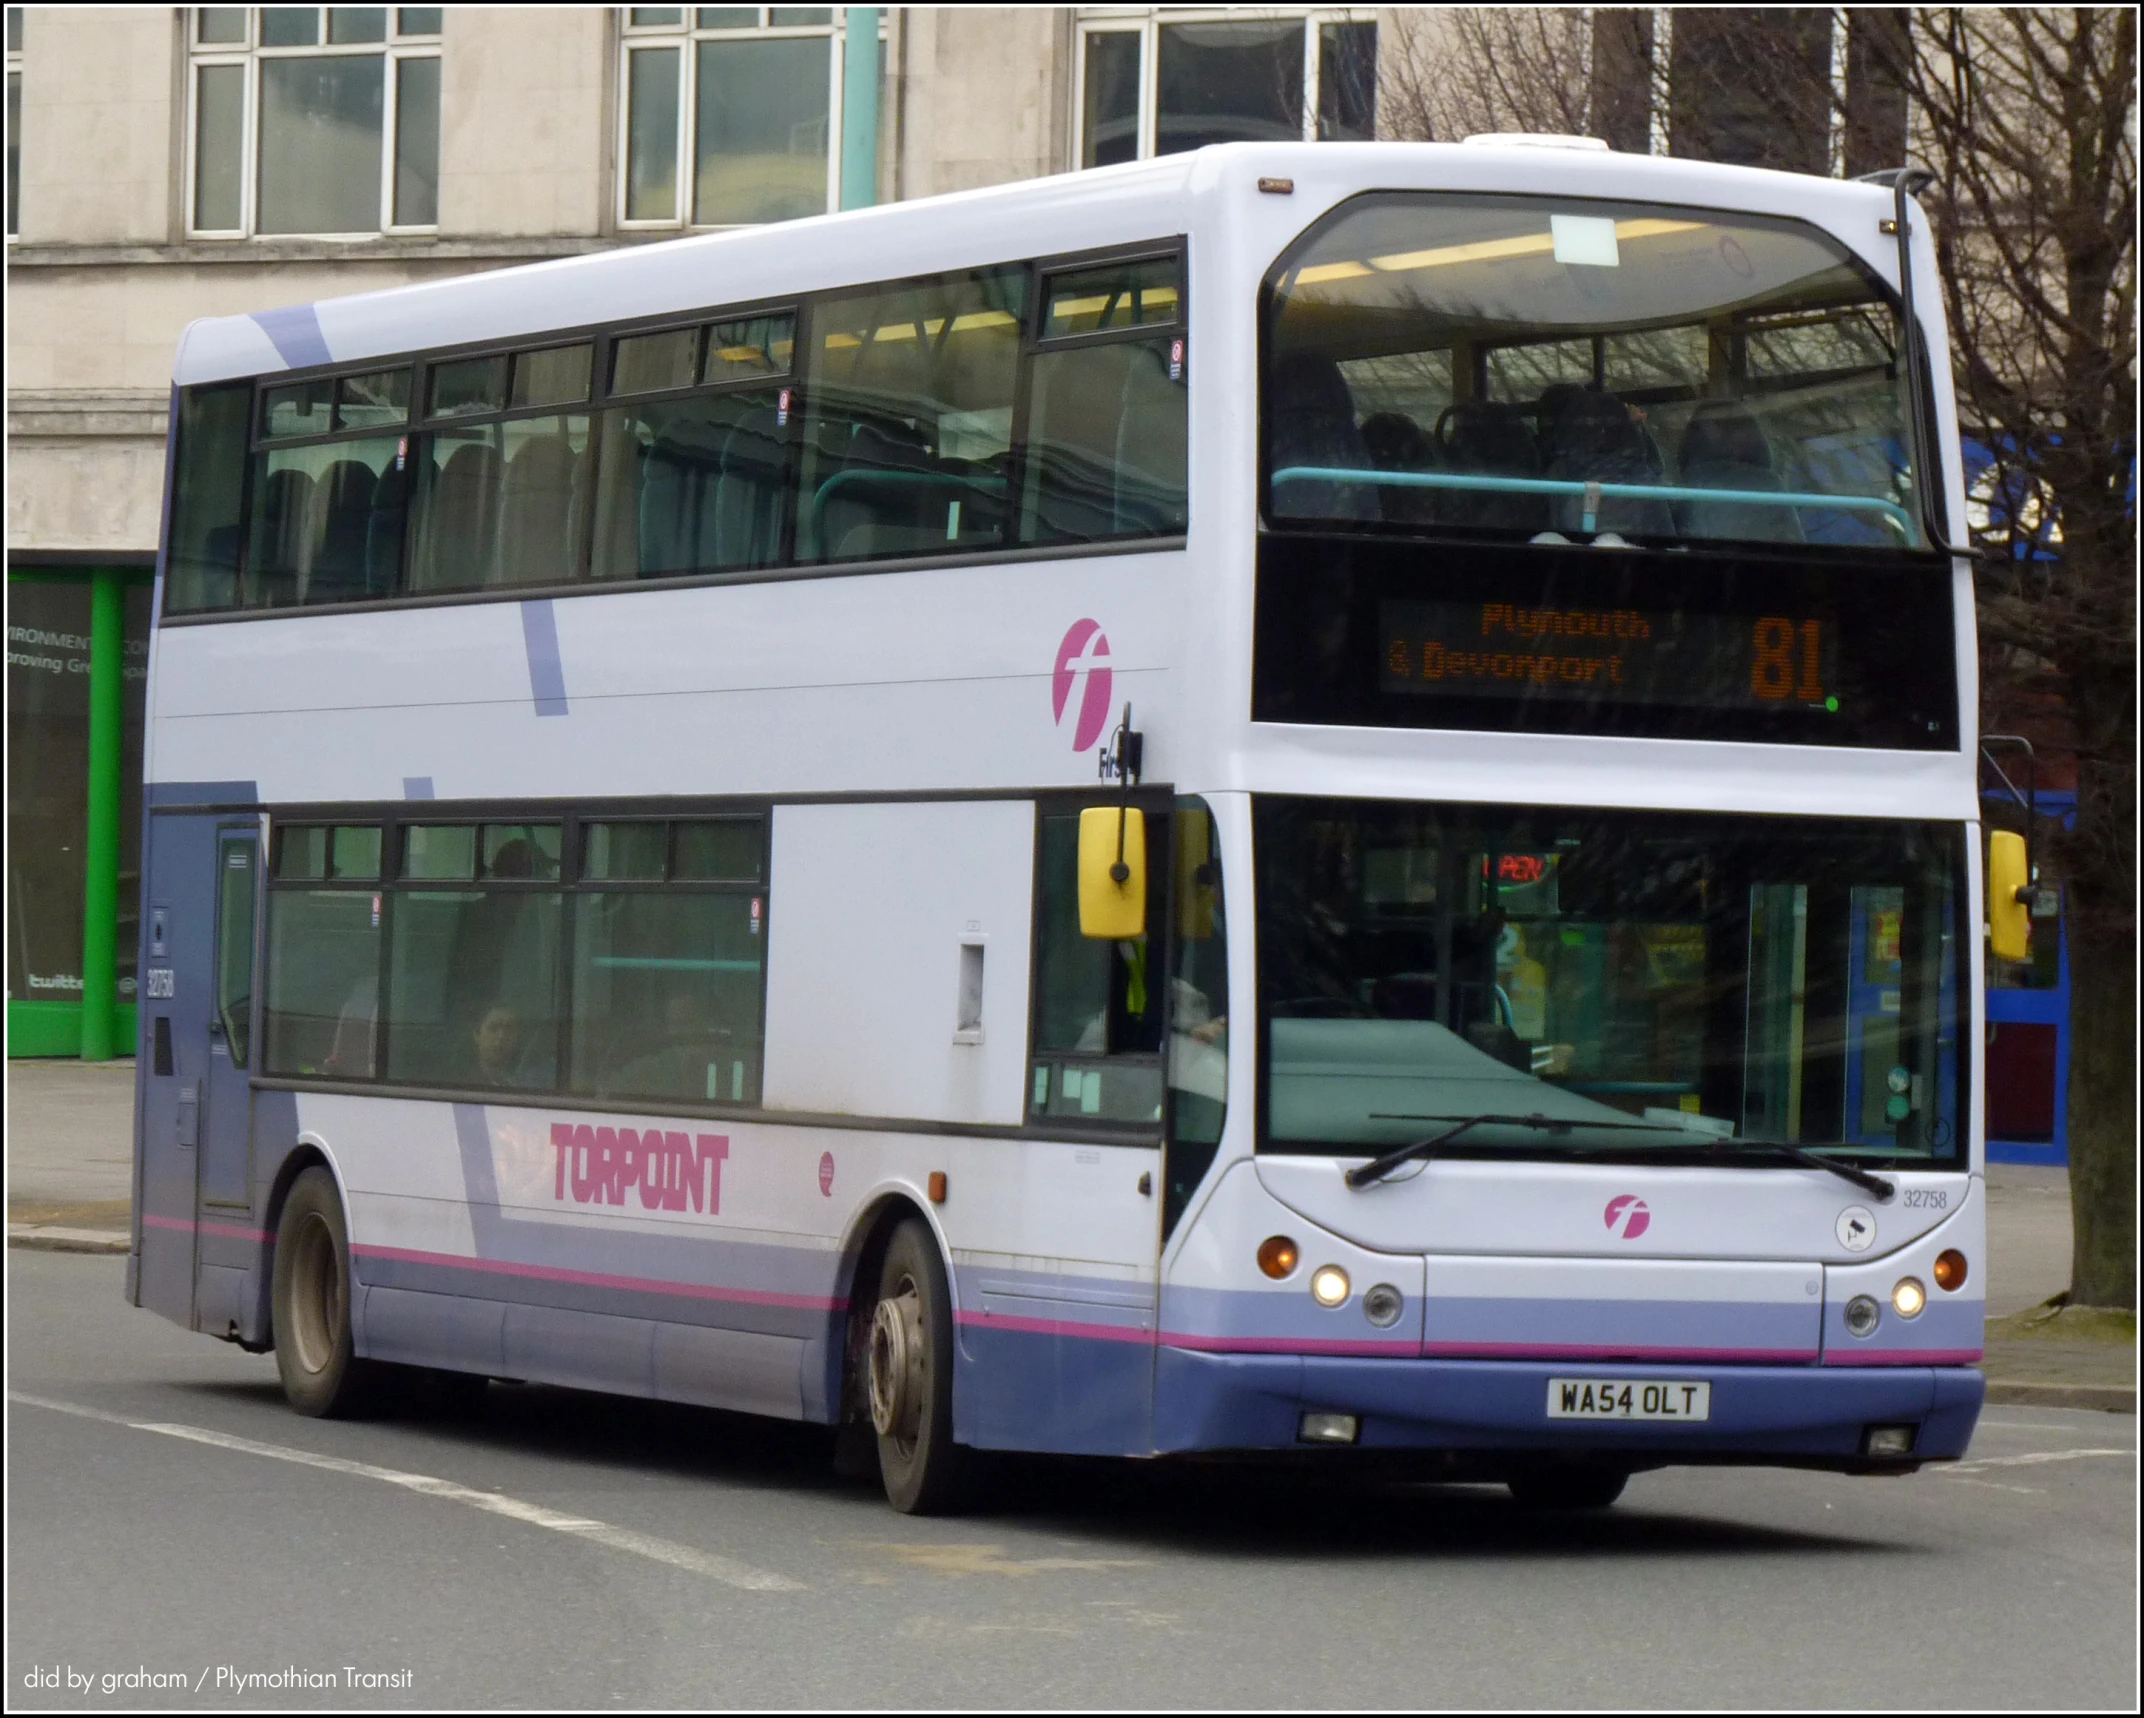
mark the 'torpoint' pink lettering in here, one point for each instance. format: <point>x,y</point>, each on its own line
<point>671,1171</point>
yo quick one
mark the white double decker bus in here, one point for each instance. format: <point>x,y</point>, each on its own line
<point>1292,799</point>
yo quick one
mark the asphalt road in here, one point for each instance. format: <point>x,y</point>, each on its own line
<point>166,1514</point>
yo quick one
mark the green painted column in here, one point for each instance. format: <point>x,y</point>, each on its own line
<point>859,109</point>
<point>100,885</point>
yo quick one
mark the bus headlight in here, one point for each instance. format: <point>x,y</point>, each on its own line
<point>1950,1270</point>
<point>1863,1315</point>
<point>1277,1256</point>
<point>1909,1297</point>
<point>1328,1285</point>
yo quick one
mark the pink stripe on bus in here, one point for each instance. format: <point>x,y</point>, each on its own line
<point>1610,1351</point>
<point>231,1231</point>
<point>599,1279</point>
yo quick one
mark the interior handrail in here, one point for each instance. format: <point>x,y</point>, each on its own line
<point>861,474</point>
<point>1593,493</point>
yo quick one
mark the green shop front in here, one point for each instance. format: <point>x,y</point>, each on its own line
<point>77,669</point>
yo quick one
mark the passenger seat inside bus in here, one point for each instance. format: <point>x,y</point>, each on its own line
<point>458,547</point>
<point>752,493</point>
<point>892,497</point>
<point>1590,436</point>
<point>385,530</point>
<point>1311,422</point>
<point>342,508</point>
<point>1397,443</point>
<point>1487,438</point>
<point>1724,447</point>
<point>678,496</point>
<point>540,513</point>
<point>277,555</point>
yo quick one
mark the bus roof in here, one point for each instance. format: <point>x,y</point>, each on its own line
<point>1063,213</point>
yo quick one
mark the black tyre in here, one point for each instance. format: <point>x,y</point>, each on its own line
<point>909,1378</point>
<point>321,1372</point>
<point>1568,1487</point>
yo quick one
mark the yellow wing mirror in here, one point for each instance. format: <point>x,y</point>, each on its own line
<point>2009,895</point>
<point>1112,872</point>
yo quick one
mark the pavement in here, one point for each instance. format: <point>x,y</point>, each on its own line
<point>70,1169</point>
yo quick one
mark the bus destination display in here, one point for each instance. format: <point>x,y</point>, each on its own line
<point>1608,655</point>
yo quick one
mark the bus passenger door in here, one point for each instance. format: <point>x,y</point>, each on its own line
<point>196,978</point>
<point>178,961</point>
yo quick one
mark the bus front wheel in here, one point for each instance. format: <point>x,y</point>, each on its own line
<point>910,1377</point>
<point>322,1374</point>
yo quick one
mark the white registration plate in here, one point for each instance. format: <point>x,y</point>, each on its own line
<point>1629,1399</point>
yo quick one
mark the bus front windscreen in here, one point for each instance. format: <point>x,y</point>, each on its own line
<point>1568,370</point>
<point>1617,982</point>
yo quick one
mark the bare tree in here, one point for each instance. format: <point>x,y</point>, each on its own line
<point>2029,121</point>
<point>1448,73</point>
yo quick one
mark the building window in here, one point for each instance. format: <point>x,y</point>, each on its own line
<point>1158,81</point>
<point>729,115</point>
<point>311,119</point>
<point>14,118</point>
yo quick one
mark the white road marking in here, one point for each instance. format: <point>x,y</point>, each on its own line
<point>724,1569</point>
<point>2031,1459</point>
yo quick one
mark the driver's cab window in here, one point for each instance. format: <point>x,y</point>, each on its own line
<point>1098,1001</point>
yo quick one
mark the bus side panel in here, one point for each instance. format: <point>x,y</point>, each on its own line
<point>529,1245</point>
<point>1044,1384</point>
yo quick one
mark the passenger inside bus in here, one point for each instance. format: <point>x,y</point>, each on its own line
<point>685,1051</point>
<point>507,1052</point>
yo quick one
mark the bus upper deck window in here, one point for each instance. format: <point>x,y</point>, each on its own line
<point>208,491</point>
<point>649,363</point>
<point>739,351</point>
<point>372,401</point>
<point>439,851</point>
<point>1138,294</point>
<point>555,376</point>
<point>304,408</point>
<point>1107,412</point>
<point>468,385</point>
<point>1630,372</point>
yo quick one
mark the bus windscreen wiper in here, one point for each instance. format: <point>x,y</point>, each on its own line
<point>1424,1149</point>
<point>1873,1184</point>
<point>1421,1150</point>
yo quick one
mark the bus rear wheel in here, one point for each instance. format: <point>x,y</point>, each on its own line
<point>314,1353</point>
<point>1567,1487</point>
<point>909,1378</point>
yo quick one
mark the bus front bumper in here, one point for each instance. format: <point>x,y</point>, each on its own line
<point>1813,1416</point>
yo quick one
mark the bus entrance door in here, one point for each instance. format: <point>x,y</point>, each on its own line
<point>196,1105</point>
